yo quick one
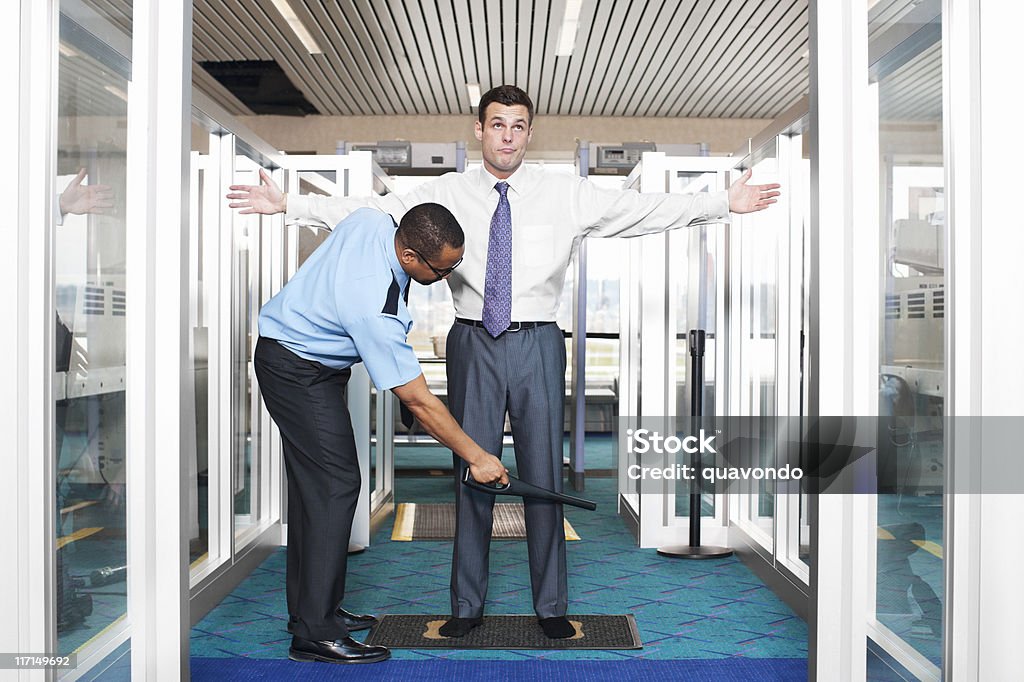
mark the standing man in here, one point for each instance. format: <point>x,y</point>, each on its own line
<point>346,304</point>
<point>505,353</point>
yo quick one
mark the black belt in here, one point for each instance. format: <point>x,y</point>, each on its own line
<point>514,327</point>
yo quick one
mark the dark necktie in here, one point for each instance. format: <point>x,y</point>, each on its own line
<point>497,313</point>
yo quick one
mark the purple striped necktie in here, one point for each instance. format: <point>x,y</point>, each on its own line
<point>497,314</point>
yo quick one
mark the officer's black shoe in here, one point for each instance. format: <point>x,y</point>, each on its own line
<point>345,650</point>
<point>353,622</point>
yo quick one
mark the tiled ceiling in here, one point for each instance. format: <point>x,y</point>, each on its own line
<point>706,58</point>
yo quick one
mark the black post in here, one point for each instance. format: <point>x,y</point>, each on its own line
<point>695,550</point>
<point>697,339</point>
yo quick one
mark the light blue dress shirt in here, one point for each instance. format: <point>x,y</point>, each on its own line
<point>346,303</point>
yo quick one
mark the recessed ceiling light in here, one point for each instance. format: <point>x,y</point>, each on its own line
<point>570,23</point>
<point>298,27</point>
<point>474,93</point>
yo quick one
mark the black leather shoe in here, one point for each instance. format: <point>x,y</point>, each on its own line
<point>345,650</point>
<point>353,622</point>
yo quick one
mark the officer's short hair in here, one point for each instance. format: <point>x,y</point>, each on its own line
<point>429,228</point>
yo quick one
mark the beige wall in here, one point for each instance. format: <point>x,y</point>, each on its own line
<point>553,136</point>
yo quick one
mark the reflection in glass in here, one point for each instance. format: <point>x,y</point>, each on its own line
<point>245,294</point>
<point>758,359</point>
<point>909,585</point>
<point>91,303</point>
<point>205,181</point>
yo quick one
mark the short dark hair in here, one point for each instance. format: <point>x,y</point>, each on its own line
<point>429,228</point>
<point>509,95</point>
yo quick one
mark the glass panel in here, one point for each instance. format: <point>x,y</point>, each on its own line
<point>245,295</point>
<point>204,181</point>
<point>89,273</point>
<point>759,280</point>
<point>909,596</point>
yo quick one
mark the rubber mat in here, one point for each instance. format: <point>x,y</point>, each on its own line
<point>437,522</point>
<point>506,632</point>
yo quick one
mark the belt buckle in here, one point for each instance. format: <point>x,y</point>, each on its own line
<point>515,327</point>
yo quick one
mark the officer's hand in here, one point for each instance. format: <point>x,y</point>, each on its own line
<point>265,198</point>
<point>488,470</point>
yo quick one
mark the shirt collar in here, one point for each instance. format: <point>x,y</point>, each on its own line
<point>401,276</point>
<point>517,182</point>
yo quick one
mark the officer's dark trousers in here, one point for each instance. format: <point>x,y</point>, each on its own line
<point>307,401</point>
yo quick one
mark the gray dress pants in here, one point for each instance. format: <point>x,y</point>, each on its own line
<point>523,373</point>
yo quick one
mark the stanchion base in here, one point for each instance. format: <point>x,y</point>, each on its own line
<point>353,548</point>
<point>699,552</point>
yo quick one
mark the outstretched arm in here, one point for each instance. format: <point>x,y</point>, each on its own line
<point>439,423</point>
<point>266,197</point>
<point>744,198</point>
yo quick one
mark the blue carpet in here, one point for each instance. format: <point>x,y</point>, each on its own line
<point>720,670</point>
<point>685,610</point>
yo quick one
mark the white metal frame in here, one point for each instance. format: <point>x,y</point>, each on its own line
<point>843,349</point>
<point>158,152</point>
<point>27,45</point>
<point>984,595</point>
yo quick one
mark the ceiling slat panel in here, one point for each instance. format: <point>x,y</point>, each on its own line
<point>492,41</point>
<point>709,36</point>
<point>524,39</point>
<point>544,51</point>
<point>427,48</point>
<point>622,25</point>
<point>661,20</point>
<point>587,22</point>
<point>384,30</point>
<point>363,99</point>
<point>356,62</point>
<point>481,49</point>
<point>409,45</point>
<point>599,37</point>
<point>740,39</point>
<point>369,47</point>
<point>263,20</point>
<point>706,58</point>
<point>749,59</point>
<point>665,65</point>
<point>219,38</point>
<point>509,35</point>
<point>439,20</point>
<point>762,82</point>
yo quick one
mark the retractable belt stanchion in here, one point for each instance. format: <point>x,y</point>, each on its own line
<point>695,550</point>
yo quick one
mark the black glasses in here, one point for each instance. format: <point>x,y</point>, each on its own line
<point>440,274</point>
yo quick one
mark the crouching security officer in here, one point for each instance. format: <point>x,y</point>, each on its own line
<point>346,304</point>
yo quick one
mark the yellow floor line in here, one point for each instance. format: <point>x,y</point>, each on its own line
<point>929,546</point>
<point>570,532</point>
<point>77,535</point>
<point>76,507</point>
<point>405,515</point>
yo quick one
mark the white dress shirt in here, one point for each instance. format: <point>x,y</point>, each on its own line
<point>551,213</point>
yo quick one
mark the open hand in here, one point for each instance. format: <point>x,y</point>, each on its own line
<point>266,197</point>
<point>80,199</point>
<point>488,470</point>
<point>744,198</point>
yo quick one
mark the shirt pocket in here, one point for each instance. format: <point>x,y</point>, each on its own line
<point>536,244</point>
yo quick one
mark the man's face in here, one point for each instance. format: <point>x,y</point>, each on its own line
<point>429,271</point>
<point>503,136</point>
